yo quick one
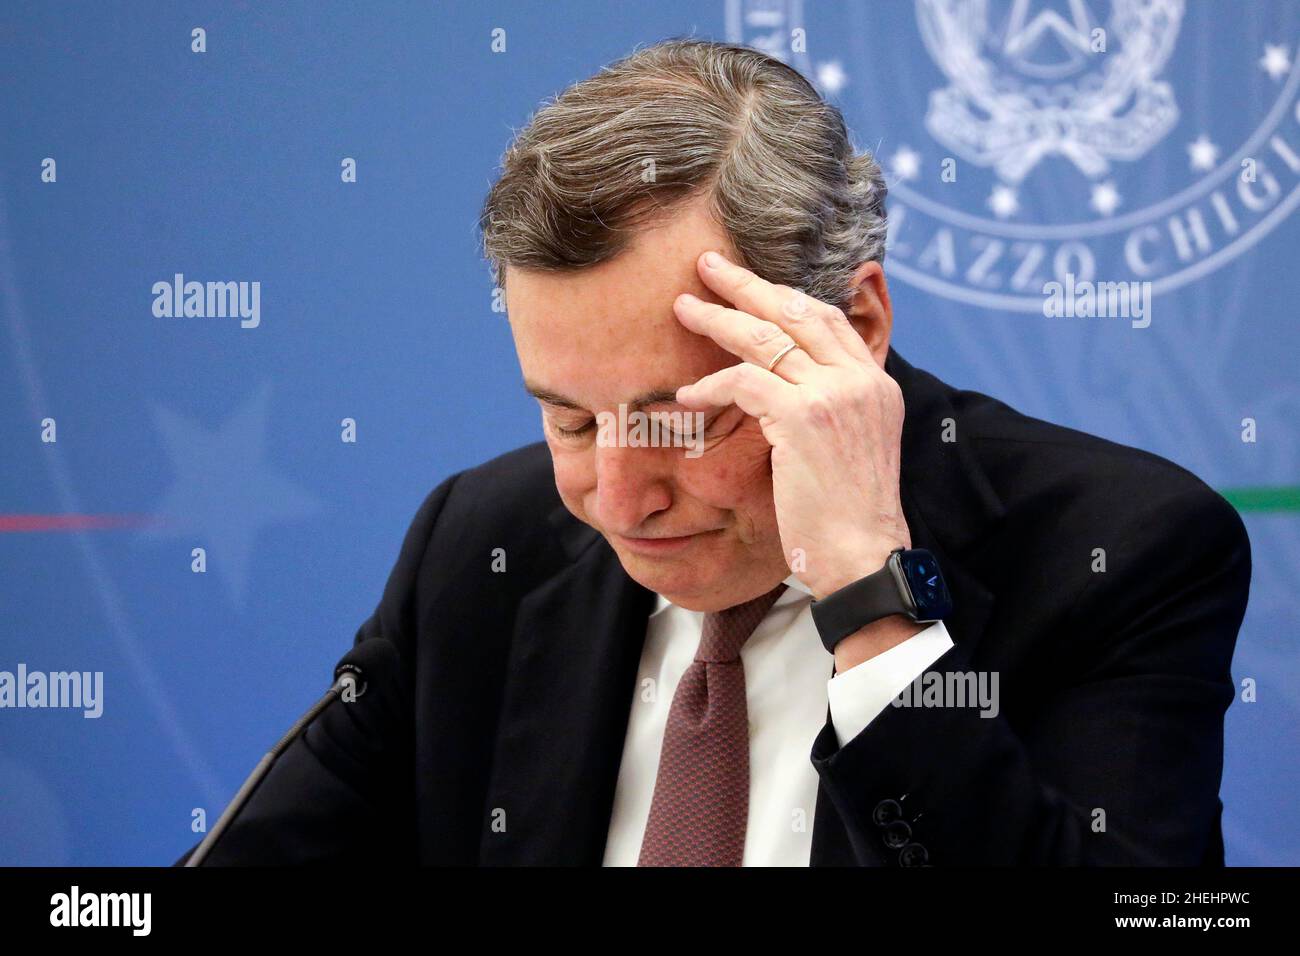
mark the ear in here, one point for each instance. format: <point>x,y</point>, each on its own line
<point>869,311</point>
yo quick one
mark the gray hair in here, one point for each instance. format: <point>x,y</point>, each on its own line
<point>677,120</point>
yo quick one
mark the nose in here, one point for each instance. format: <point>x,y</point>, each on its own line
<point>632,484</point>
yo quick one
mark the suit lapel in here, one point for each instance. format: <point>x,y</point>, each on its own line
<point>569,687</point>
<point>972,602</point>
<point>948,501</point>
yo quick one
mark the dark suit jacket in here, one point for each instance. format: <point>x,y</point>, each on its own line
<point>500,741</point>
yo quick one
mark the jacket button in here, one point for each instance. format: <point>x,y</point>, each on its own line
<point>913,855</point>
<point>897,834</point>
<point>887,811</point>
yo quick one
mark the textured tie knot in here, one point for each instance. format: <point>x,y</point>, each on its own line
<point>725,632</point>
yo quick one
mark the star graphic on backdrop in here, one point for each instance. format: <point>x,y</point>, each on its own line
<point>831,76</point>
<point>1276,61</point>
<point>905,163</point>
<point>224,492</point>
<point>1204,154</point>
<point>1106,198</point>
<point>1003,202</point>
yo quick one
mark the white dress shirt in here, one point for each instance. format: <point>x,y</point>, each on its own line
<point>787,692</point>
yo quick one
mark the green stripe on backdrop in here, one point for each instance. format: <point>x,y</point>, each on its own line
<point>1266,498</point>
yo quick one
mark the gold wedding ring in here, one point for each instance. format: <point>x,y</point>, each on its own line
<point>780,355</point>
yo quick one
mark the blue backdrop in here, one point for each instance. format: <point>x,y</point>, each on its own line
<point>1170,156</point>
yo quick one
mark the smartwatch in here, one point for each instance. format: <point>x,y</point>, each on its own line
<point>910,584</point>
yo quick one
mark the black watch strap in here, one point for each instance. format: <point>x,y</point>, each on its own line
<point>856,605</point>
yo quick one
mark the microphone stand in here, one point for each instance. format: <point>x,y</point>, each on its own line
<point>348,678</point>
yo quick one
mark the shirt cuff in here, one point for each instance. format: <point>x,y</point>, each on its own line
<point>858,695</point>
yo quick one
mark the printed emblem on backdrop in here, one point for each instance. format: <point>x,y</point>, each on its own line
<point>1122,142</point>
<point>1125,140</point>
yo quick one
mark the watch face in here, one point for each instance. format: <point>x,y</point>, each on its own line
<point>926,582</point>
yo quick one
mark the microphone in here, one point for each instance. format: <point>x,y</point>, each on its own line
<point>371,661</point>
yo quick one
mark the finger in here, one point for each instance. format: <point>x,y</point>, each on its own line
<point>804,318</point>
<point>756,391</point>
<point>848,336</point>
<point>745,337</point>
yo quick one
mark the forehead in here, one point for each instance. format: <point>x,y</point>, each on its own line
<point>613,324</point>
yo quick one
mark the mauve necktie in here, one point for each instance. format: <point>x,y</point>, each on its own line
<point>701,798</point>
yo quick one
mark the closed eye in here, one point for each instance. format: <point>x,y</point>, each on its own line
<point>573,432</point>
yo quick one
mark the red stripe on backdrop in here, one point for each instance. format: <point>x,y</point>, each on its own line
<point>16,523</point>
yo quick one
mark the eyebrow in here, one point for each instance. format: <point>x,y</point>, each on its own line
<point>659,396</point>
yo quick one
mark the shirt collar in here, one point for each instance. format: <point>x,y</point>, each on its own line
<point>796,590</point>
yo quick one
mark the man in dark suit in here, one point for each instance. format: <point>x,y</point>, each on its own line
<point>517,684</point>
<point>732,645</point>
